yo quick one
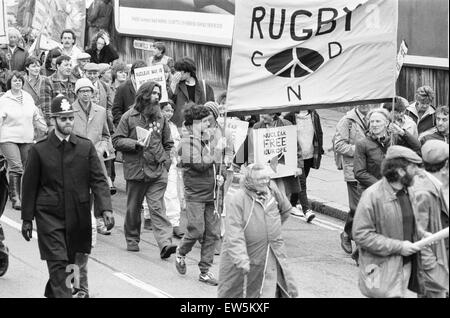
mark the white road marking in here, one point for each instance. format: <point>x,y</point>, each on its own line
<point>140,284</point>
<point>123,276</point>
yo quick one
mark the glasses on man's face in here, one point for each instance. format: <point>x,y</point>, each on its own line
<point>68,118</point>
<point>87,91</point>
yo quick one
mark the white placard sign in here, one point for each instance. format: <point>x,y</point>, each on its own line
<point>277,147</point>
<point>153,73</point>
<point>236,130</point>
<point>325,53</point>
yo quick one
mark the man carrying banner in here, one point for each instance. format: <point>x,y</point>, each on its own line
<point>15,54</point>
<point>430,188</point>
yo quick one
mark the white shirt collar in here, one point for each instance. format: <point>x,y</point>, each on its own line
<point>61,139</point>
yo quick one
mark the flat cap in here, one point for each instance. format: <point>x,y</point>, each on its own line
<point>394,152</point>
<point>92,67</point>
<point>83,55</point>
<point>435,151</point>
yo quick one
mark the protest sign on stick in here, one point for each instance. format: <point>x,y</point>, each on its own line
<point>153,73</point>
<point>276,147</point>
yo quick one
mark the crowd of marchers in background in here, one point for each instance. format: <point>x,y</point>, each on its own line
<point>394,158</point>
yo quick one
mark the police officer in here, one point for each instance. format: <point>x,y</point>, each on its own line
<point>62,170</point>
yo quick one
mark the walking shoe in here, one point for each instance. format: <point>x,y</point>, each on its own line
<point>4,261</point>
<point>309,215</point>
<point>133,247</point>
<point>148,224</point>
<point>81,294</point>
<point>296,211</point>
<point>208,278</point>
<point>346,243</point>
<point>177,232</point>
<point>168,250</point>
<point>180,263</point>
<point>103,231</point>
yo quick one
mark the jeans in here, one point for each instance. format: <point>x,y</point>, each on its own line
<point>16,156</point>
<point>302,196</point>
<point>203,225</point>
<point>153,191</point>
<point>3,199</point>
<point>354,194</point>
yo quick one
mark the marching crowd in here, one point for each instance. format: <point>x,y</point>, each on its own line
<point>67,116</point>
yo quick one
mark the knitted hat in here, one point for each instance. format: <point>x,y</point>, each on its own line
<point>214,108</point>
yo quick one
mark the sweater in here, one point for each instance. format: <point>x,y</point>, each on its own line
<point>17,120</point>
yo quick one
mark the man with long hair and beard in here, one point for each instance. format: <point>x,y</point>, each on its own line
<point>146,162</point>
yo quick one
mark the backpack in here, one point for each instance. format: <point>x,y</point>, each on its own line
<point>339,158</point>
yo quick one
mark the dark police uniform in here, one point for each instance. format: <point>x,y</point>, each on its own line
<point>57,182</point>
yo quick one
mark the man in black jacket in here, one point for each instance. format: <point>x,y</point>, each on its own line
<point>62,170</point>
<point>126,94</point>
<point>144,138</point>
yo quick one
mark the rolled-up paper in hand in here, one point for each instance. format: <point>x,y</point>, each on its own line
<point>442,234</point>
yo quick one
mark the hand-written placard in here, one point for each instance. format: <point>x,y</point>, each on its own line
<point>277,147</point>
<point>153,73</point>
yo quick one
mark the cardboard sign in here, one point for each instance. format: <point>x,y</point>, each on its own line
<point>235,130</point>
<point>143,45</point>
<point>290,53</point>
<point>153,73</point>
<point>277,147</point>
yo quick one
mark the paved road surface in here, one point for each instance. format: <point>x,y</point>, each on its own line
<point>319,265</point>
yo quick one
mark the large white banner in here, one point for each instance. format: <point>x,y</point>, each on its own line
<point>205,21</point>
<point>277,147</point>
<point>312,52</point>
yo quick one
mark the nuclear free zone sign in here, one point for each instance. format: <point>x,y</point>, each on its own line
<point>325,53</point>
<point>276,147</point>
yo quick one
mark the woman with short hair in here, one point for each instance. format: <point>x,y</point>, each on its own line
<point>18,118</point>
<point>35,82</point>
<point>253,246</point>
